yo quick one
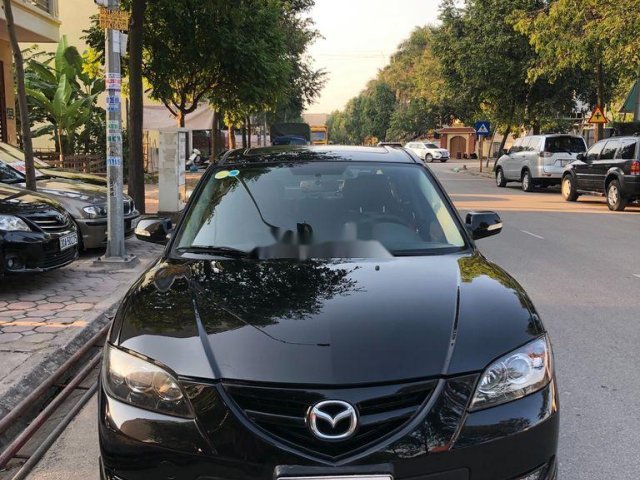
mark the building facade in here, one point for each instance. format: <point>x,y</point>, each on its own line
<point>36,22</point>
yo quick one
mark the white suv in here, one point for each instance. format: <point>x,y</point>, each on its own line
<point>428,151</point>
<point>538,160</point>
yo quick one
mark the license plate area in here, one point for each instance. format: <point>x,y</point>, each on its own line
<point>68,241</point>
<point>340,477</point>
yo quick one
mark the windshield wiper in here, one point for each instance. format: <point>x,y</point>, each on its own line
<point>213,250</point>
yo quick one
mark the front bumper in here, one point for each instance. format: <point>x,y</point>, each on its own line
<point>94,231</point>
<point>443,442</point>
<point>28,252</point>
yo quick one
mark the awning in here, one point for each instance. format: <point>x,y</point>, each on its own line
<point>631,101</point>
<point>158,117</point>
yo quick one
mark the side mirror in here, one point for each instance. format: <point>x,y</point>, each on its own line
<point>483,224</point>
<point>580,156</point>
<point>505,151</point>
<point>154,230</point>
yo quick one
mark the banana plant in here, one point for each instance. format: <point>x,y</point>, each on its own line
<point>63,93</point>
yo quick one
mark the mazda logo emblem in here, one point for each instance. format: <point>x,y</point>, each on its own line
<point>332,420</point>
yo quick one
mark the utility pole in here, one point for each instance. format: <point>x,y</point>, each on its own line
<point>111,18</point>
<point>636,117</point>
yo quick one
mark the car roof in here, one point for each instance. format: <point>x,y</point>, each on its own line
<point>318,153</point>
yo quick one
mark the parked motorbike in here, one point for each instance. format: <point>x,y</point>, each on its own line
<point>197,161</point>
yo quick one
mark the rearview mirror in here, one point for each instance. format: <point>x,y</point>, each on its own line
<point>154,230</point>
<point>505,151</point>
<point>483,224</point>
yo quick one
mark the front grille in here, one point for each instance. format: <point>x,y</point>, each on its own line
<point>51,223</point>
<point>55,258</point>
<point>281,412</point>
<point>128,207</point>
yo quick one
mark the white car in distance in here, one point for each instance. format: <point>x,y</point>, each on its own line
<point>428,151</point>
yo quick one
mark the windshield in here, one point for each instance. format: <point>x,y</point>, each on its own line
<point>319,136</point>
<point>565,145</point>
<point>14,158</point>
<point>432,145</point>
<point>318,203</point>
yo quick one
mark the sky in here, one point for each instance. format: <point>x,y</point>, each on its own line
<point>359,38</point>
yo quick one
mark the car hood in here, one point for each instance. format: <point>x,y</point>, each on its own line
<point>68,191</point>
<point>325,322</point>
<point>20,201</point>
<point>71,175</point>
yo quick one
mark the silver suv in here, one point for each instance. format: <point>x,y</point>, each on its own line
<point>538,160</point>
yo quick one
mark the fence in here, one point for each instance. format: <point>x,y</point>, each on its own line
<point>79,163</point>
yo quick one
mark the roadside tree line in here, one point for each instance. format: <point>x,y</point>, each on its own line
<point>242,58</point>
<point>514,62</point>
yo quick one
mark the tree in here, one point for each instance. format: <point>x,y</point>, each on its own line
<point>62,92</point>
<point>487,61</point>
<point>135,184</point>
<point>595,36</point>
<point>22,98</point>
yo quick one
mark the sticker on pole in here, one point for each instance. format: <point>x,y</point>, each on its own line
<point>598,116</point>
<point>113,103</point>
<point>483,129</point>
<point>113,19</point>
<point>113,128</point>
<point>114,138</point>
<point>113,81</point>
<point>114,161</point>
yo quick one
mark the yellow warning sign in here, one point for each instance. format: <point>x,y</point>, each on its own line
<point>597,116</point>
<point>114,19</point>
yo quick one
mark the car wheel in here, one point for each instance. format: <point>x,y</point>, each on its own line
<point>500,180</point>
<point>569,191</point>
<point>615,200</point>
<point>428,158</point>
<point>443,160</point>
<point>527,181</point>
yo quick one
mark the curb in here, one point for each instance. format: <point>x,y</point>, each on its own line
<point>475,173</point>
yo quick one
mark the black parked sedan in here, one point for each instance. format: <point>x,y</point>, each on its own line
<point>36,234</point>
<point>323,313</point>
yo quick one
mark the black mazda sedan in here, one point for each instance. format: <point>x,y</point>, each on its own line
<point>322,313</point>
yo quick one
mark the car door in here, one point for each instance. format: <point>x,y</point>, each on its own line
<point>601,166</point>
<point>509,164</point>
<point>584,168</point>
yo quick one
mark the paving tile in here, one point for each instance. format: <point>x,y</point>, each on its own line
<point>17,328</point>
<point>9,337</point>
<point>33,297</point>
<point>21,305</point>
<point>39,338</point>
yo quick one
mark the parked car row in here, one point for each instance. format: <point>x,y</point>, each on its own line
<point>611,167</point>
<point>46,230</point>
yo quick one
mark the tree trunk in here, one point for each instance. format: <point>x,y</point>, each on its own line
<point>600,100</point>
<point>60,146</point>
<point>215,136</point>
<point>181,119</point>
<point>135,187</point>
<point>22,98</point>
<point>232,137</point>
<point>249,131</point>
<point>244,133</point>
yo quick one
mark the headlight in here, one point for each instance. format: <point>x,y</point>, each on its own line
<point>95,211</point>
<point>437,155</point>
<point>9,223</point>
<point>143,384</point>
<point>517,374</point>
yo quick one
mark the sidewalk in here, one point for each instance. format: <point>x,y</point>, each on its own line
<point>472,167</point>
<point>45,318</point>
